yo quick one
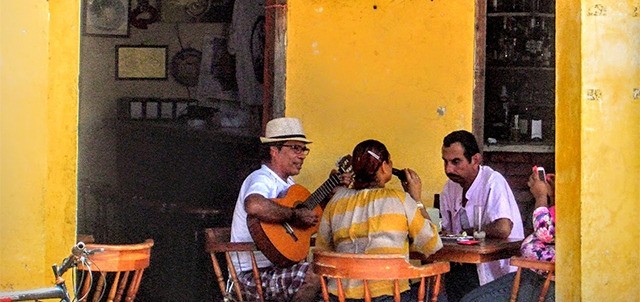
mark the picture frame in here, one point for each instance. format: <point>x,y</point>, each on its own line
<point>108,18</point>
<point>141,62</point>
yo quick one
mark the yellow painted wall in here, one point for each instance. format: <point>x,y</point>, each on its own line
<point>610,140</point>
<point>38,122</point>
<point>569,150</point>
<point>380,69</point>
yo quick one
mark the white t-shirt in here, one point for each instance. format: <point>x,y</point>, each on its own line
<point>490,190</point>
<point>268,184</point>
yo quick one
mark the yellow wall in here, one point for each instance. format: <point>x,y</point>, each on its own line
<point>609,172</point>
<point>356,72</point>
<point>569,151</point>
<point>38,105</point>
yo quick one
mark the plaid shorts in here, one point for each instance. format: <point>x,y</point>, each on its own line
<point>278,284</point>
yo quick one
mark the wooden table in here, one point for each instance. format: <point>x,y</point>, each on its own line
<point>486,251</point>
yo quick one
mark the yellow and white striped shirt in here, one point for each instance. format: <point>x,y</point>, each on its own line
<point>375,221</point>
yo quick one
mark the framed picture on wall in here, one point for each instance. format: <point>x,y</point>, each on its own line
<point>141,62</point>
<point>106,18</point>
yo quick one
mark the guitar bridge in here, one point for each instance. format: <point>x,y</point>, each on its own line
<point>290,231</point>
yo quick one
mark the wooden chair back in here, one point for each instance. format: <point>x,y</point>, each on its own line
<point>85,238</point>
<point>367,267</point>
<point>115,272</point>
<point>525,263</point>
<point>217,244</point>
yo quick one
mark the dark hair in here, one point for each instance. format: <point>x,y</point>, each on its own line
<point>367,158</point>
<point>466,139</point>
<point>265,151</point>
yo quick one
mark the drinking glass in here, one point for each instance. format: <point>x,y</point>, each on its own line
<point>477,217</point>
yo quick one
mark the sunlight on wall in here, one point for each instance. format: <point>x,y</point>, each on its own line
<point>382,74</point>
<point>38,120</point>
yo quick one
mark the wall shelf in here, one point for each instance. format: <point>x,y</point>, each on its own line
<point>529,148</point>
<point>521,14</point>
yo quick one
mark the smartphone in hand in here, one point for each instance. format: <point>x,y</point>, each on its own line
<point>400,174</point>
<point>541,174</point>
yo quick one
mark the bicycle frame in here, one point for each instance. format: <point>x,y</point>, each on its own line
<point>59,290</point>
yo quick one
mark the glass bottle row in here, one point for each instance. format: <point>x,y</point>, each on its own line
<point>521,41</point>
<point>541,6</point>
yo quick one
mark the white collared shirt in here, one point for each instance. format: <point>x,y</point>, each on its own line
<point>490,190</point>
<point>268,184</point>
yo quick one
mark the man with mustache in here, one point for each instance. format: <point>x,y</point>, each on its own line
<point>471,184</point>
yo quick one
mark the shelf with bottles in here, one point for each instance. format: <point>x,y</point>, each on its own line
<point>509,6</point>
<point>521,38</point>
<point>522,14</point>
<point>522,68</point>
<point>514,98</point>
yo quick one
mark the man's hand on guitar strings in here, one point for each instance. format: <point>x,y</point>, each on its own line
<point>346,178</point>
<point>304,218</point>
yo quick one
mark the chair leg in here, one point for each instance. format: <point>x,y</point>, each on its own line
<point>436,288</point>
<point>516,285</point>
<point>325,292</point>
<point>545,287</point>
<point>421,288</point>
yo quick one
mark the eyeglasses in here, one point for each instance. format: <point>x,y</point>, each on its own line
<point>297,149</point>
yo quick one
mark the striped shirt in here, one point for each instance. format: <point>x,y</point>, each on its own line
<point>375,221</point>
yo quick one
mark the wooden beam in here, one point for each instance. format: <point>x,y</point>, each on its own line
<point>275,60</point>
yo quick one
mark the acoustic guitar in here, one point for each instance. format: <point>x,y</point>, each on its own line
<point>282,243</point>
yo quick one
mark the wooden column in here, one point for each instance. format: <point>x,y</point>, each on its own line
<point>275,59</point>
<point>479,69</point>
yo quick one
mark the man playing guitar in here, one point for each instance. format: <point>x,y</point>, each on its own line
<point>284,151</point>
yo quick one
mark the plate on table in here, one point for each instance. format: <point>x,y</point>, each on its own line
<point>456,237</point>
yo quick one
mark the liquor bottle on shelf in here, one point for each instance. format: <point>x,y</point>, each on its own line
<point>536,127</point>
<point>548,57</point>
<point>494,6</point>
<point>523,122</point>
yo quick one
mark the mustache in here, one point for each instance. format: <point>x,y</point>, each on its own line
<point>451,175</point>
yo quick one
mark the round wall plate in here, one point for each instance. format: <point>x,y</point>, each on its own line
<point>185,66</point>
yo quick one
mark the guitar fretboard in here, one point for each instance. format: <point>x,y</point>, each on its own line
<point>322,192</point>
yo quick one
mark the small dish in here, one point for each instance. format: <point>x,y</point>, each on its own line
<point>455,237</point>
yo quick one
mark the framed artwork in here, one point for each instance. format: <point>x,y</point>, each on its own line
<point>106,18</point>
<point>141,62</point>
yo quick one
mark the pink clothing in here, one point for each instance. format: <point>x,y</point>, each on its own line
<point>490,190</point>
<point>540,245</point>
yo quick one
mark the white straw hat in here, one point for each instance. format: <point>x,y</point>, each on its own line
<point>284,129</point>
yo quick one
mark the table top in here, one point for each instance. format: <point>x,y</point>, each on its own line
<point>486,251</point>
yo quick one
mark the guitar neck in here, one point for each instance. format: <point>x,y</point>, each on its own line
<point>322,192</point>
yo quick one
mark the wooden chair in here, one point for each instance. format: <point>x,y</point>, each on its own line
<point>368,267</point>
<point>114,272</point>
<point>217,243</point>
<point>525,263</point>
